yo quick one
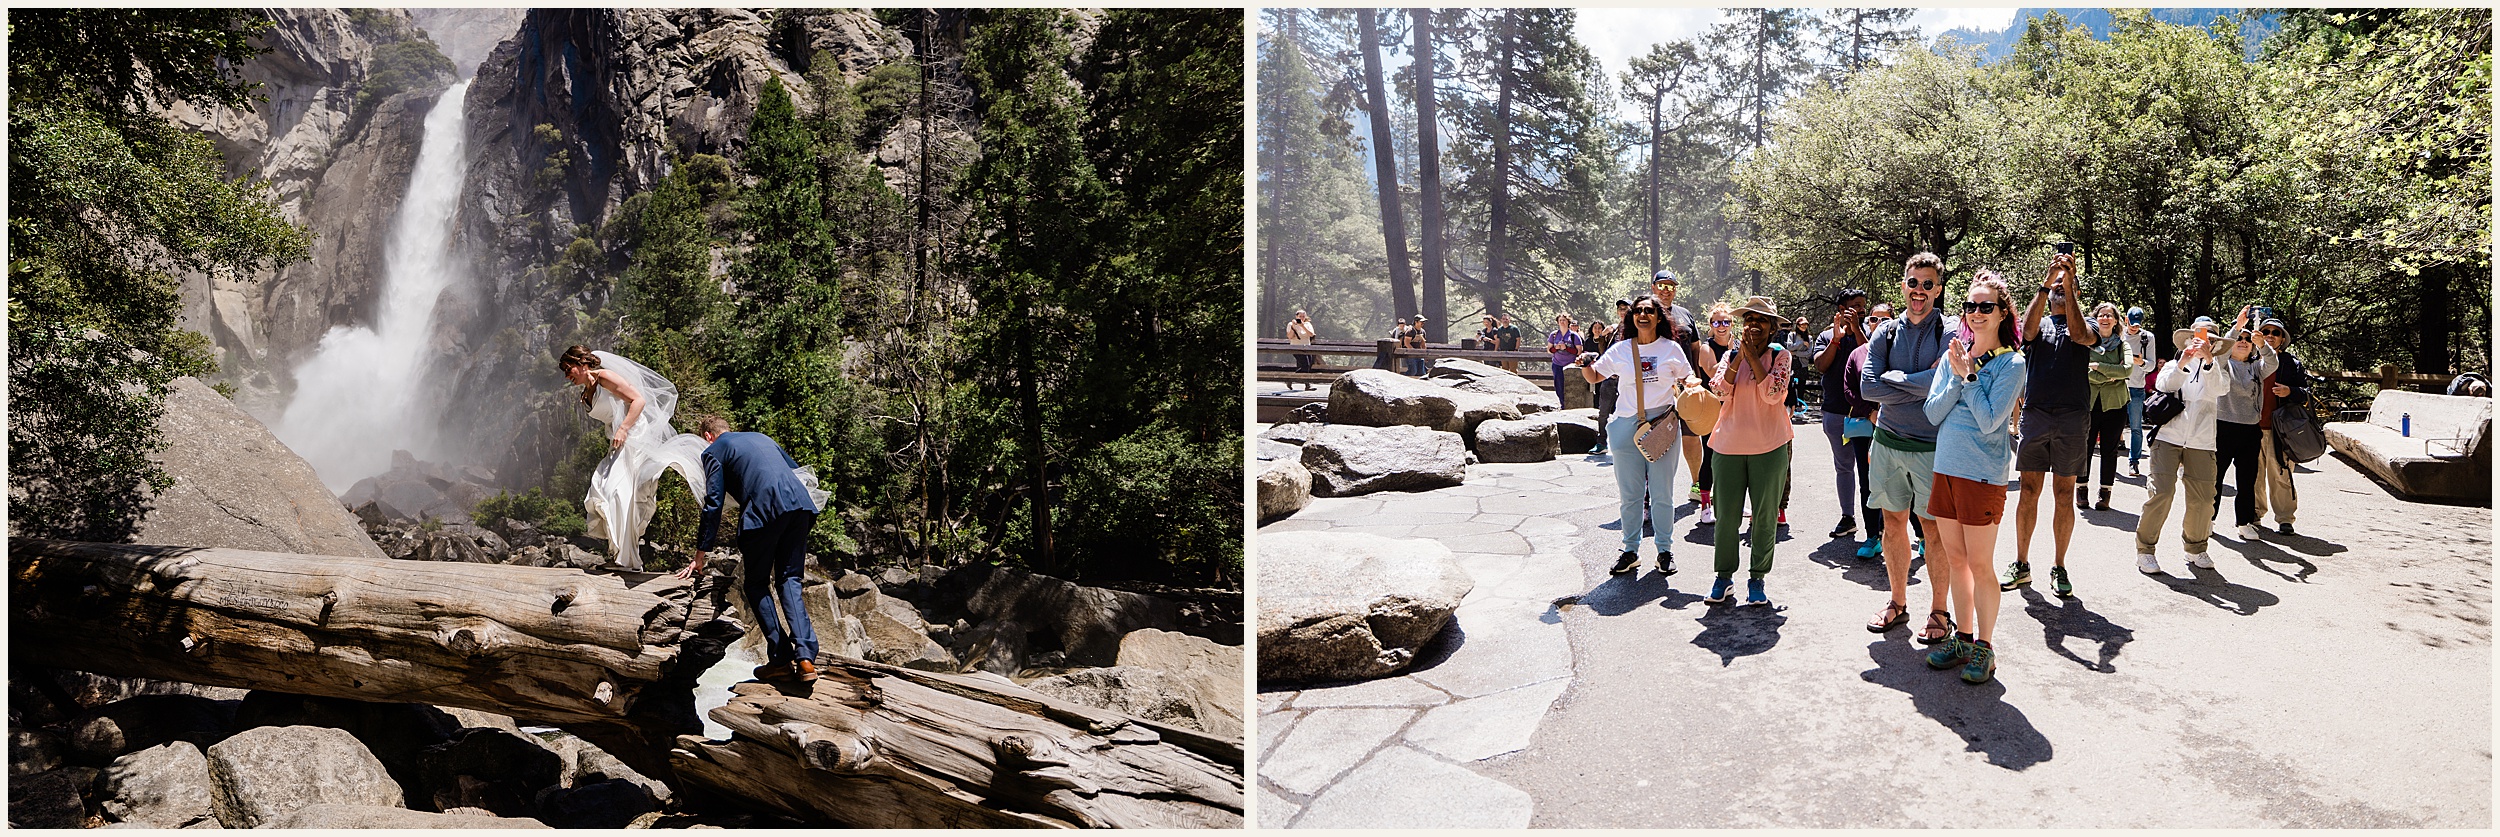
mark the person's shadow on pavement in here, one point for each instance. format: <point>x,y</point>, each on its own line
<point>1842,554</point>
<point>2306,545</point>
<point>1621,594</point>
<point>2263,555</point>
<point>2071,619</point>
<point>1733,630</point>
<point>2210,587</point>
<point>1979,714</point>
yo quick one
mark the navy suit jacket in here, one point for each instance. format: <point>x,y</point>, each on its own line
<point>754,469</point>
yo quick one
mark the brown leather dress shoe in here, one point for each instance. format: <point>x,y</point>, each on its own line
<point>772,672</point>
<point>805,670</point>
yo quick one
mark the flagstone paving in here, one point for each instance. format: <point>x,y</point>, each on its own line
<point>2340,678</point>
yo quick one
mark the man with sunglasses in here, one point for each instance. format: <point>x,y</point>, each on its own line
<point>1900,365</point>
<point>2288,385</point>
<point>1829,354</point>
<point>2056,442</point>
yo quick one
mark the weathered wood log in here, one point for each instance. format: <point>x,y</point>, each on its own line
<point>877,746</point>
<point>606,655</point>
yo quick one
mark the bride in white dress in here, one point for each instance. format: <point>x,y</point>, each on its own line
<point>636,404</point>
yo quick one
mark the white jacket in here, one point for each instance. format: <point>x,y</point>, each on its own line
<point>2202,388</point>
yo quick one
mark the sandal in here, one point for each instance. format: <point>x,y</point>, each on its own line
<point>1894,615</point>
<point>1941,623</point>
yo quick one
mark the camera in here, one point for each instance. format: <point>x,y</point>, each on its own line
<point>2065,248</point>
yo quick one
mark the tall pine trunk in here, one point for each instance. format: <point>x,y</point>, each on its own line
<point>1428,180</point>
<point>1385,167</point>
<point>1497,247</point>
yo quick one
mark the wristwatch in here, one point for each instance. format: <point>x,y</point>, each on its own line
<point>1971,378</point>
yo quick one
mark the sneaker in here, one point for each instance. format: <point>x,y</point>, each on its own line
<point>2286,528</point>
<point>1666,563</point>
<point>2202,560</point>
<point>1625,562</point>
<point>2133,470</point>
<point>1982,665</point>
<point>1848,528</point>
<point>1949,653</point>
<point>1705,498</point>
<point>2057,582</point>
<point>1871,548</point>
<point>1720,591</point>
<point>1783,517</point>
<point>1754,594</point>
<point>1697,495</point>
<point>2145,564</point>
<point>1709,516</point>
<point>1921,546</point>
<point>2017,574</point>
<point>2248,532</point>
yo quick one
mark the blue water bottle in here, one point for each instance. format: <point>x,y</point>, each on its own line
<point>2406,425</point>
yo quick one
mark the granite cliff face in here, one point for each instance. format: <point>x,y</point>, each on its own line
<point>335,143</point>
<point>572,112</point>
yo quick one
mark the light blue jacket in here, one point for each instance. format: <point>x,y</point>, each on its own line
<point>1973,440</point>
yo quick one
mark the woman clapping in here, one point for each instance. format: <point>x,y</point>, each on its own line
<point>1971,405</point>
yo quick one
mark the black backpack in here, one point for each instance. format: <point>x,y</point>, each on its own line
<point>2160,407</point>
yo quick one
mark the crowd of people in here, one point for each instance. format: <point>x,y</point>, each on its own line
<point>1933,419</point>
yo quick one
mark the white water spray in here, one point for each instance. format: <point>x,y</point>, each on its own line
<point>360,395</point>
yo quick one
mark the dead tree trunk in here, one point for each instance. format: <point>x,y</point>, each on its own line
<point>606,655</point>
<point>878,746</point>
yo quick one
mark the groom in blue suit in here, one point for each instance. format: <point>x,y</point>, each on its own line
<point>772,533</point>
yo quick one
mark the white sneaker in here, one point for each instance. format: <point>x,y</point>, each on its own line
<point>2145,564</point>
<point>1708,516</point>
<point>2248,531</point>
<point>2202,560</point>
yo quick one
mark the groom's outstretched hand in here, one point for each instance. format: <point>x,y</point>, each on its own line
<point>693,569</point>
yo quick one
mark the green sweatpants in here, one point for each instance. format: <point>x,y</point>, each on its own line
<point>1760,477</point>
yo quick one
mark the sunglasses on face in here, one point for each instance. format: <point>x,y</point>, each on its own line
<point>1921,284</point>
<point>2270,333</point>
<point>1646,311</point>
<point>1979,307</point>
<point>1721,323</point>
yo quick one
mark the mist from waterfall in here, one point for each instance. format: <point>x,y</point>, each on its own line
<point>362,394</point>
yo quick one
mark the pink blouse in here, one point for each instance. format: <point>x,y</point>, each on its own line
<point>1754,417</point>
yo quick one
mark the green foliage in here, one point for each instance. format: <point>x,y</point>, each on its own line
<point>547,514</point>
<point>107,203</point>
<point>887,95</point>
<point>1319,230</point>
<point>559,160</point>
<point>401,66</point>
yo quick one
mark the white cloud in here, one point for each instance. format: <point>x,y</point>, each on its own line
<point>1934,22</point>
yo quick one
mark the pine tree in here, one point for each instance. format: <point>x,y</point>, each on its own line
<point>1533,151</point>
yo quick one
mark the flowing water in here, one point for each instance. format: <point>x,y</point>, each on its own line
<point>361,394</point>
<point>711,690</point>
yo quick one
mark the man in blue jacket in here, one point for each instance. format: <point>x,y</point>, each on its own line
<point>772,534</point>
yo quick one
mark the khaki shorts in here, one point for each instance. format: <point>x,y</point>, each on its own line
<point>1899,480</point>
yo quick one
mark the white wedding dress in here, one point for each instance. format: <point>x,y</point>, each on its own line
<point>625,488</point>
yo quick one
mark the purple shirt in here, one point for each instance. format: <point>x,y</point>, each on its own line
<point>1571,344</point>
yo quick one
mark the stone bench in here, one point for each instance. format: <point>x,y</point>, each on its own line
<point>2447,457</point>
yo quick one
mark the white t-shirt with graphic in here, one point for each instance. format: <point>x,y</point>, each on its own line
<point>1662,365</point>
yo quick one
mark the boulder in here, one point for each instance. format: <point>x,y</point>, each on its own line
<point>137,723</point>
<point>490,769</point>
<point>1084,622</point>
<point>1471,376</point>
<point>165,786</point>
<point>416,490</point>
<point>467,718</point>
<point>1341,606</point>
<point>893,631</point>
<point>1524,440</point>
<point>611,803</point>
<point>1290,434</point>
<point>1381,398</point>
<point>592,765</point>
<point>332,815</point>
<point>236,486</point>
<point>47,800</point>
<point>996,646</point>
<point>1143,692</point>
<point>262,775</point>
<point>461,542</point>
<point>1208,672</point>
<point>1576,429</point>
<point>1284,486</point>
<point>395,733</point>
<point>34,750</point>
<point>1347,460</point>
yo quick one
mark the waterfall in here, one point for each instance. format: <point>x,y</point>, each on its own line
<point>361,394</point>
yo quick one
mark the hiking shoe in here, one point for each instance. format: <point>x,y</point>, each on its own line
<point>2103,505</point>
<point>1982,665</point>
<point>2057,582</point>
<point>2285,528</point>
<point>2145,564</point>
<point>2017,574</point>
<point>2248,532</point>
<point>1949,653</point>
<point>1666,563</point>
<point>2082,499</point>
<point>1709,516</point>
<point>2202,560</point>
<point>1625,563</point>
<point>1721,590</point>
<point>1754,594</point>
<point>1848,528</point>
<point>1871,548</point>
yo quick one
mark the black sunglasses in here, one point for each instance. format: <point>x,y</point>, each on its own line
<point>1980,307</point>
<point>1647,309</point>
<point>2271,333</point>
<point>1924,285</point>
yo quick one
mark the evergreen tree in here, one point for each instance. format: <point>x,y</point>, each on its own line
<point>1855,39</point>
<point>1315,230</point>
<point>1533,151</point>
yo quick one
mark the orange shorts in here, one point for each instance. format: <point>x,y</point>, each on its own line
<point>1967,502</point>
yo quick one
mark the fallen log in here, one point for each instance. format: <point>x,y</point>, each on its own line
<point>877,746</point>
<point>607,655</point>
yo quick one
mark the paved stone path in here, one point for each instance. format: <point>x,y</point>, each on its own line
<point>2337,678</point>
